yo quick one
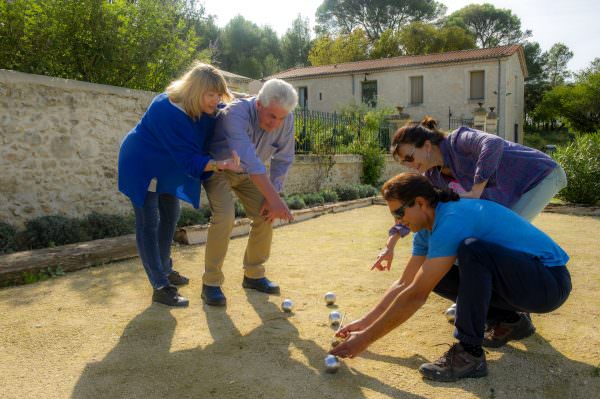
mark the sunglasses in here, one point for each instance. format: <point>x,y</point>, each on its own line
<point>398,213</point>
<point>407,158</point>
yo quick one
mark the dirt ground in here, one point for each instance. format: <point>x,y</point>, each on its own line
<point>95,333</point>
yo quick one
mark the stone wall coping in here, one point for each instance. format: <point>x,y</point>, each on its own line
<point>70,84</point>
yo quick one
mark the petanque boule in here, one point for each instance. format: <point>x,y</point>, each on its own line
<point>287,305</point>
<point>330,298</point>
<point>335,318</point>
<point>332,364</point>
<point>451,313</point>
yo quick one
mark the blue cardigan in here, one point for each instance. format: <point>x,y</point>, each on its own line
<point>169,145</point>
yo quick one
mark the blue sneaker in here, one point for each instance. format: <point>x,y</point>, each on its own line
<point>261,284</point>
<point>213,296</point>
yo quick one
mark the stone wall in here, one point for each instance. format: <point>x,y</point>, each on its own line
<point>60,140</point>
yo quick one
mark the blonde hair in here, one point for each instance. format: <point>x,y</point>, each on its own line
<point>189,90</point>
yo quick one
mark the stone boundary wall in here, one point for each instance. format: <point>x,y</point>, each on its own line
<point>60,140</point>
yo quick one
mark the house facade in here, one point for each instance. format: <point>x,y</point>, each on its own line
<point>453,87</point>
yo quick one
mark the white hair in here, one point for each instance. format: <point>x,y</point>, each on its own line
<point>280,92</point>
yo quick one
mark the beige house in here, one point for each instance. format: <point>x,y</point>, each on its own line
<point>236,83</point>
<point>448,86</point>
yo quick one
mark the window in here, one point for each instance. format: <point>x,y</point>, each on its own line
<point>477,85</point>
<point>369,93</point>
<point>416,89</point>
<point>303,96</point>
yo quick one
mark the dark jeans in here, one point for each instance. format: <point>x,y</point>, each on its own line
<point>155,225</point>
<point>491,281</point>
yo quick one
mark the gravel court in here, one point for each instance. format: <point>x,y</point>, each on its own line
<point>95,334</point>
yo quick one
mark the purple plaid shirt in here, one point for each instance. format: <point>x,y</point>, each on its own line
<point>473,156</point>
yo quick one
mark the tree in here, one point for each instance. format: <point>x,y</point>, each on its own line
<point>388,45</point>
<point>141,45</point>
<point>593,68</point>
<point>373,16</point>
<point>558,57</point>
<point>244,48</point>
<point>491,26</point>
<point>344,48</point>
<point>536,83</point>
<point>578,104</point>
<point>421,38</point>
<point>295,44</point>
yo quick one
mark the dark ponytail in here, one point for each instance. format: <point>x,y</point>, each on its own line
<point>407,186</point>
<point>445,195</point>
<point>416,133</point>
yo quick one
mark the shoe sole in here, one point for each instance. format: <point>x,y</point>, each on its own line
<point>251,287</point>
<point>433,376</point>
<point>214,303</point>
<point>175,305</point>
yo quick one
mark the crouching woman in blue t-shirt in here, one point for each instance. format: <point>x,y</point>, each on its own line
<point>163,159</point>
<point>504,264</point>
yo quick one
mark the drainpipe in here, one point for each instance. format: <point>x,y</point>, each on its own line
<point>500,112</point>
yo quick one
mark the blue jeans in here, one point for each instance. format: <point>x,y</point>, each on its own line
<point>155,225</point>
<point>491,281</point>
<point>535,200</point>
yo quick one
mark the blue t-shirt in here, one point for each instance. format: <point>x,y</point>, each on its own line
<point>455,221</point>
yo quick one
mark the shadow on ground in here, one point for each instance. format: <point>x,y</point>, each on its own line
<point>256,365</point>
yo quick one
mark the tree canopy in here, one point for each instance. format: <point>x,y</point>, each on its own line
<point>491,26</point>
<point>344,48</point>
<point>249,50</point>
<point>141,44</point>
<point>296,42</point>
<point>373,16</point>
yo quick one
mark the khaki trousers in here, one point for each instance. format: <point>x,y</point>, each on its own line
<point>218,190</point>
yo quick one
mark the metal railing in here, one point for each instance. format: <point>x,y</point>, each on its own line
<point>319,132</point>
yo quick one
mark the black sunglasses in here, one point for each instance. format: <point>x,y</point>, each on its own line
<point>407,158</point>
<point>398,213</point>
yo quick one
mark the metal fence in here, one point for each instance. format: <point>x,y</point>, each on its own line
<point>335,133</point>
<point>455,123</point>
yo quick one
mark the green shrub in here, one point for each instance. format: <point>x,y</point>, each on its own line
<point>329,196</point>
<point>101,225</point>
<point>312,199</point>
<point>581,161</point>
<point>191,217</point>
<point>240,212</point>
<point>49,231</point>
<point>347,192</point>
<point>295,202</point>
<point>373,163</point>
<point>8,241</point>
<point>366,190</point>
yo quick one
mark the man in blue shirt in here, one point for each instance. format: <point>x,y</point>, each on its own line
<point>505,266</point>
<point>261,130</point>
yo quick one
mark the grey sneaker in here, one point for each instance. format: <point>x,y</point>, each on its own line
<point>500,333</point>
<point>177,279</point>
<point>455,364</point>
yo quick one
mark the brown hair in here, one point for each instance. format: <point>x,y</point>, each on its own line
<point>417,133</point>
<point>406,187</point>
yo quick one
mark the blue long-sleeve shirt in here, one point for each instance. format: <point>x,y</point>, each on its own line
<point>170,146</point>
<point>238,129</point>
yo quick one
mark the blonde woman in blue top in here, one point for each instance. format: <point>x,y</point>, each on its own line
<point>163,159</point>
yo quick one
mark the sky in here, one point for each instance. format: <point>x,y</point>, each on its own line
<point>575,23</point>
